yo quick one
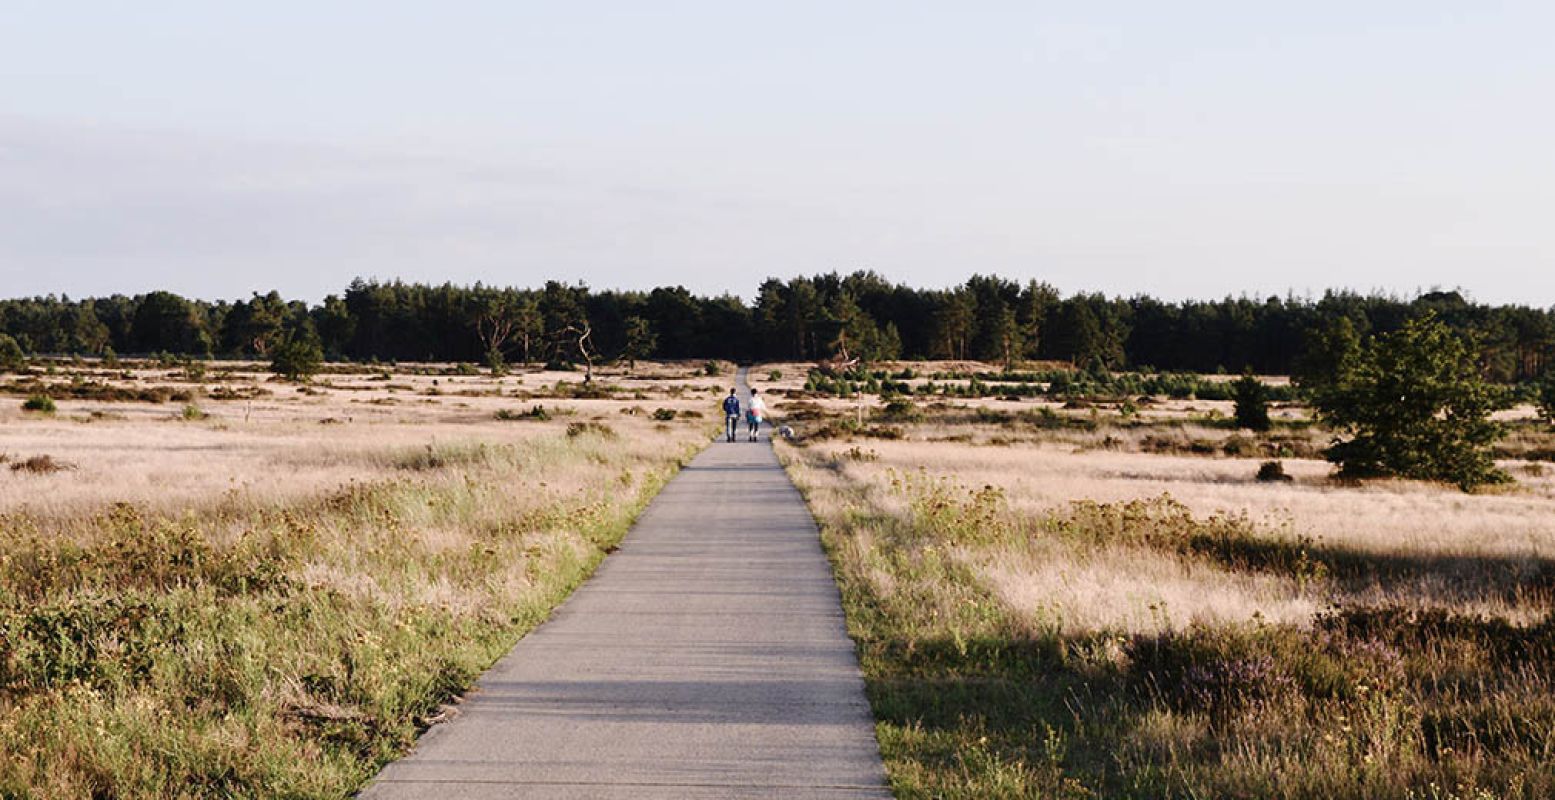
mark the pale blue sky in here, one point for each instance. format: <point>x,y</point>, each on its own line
<point>1182,149</point>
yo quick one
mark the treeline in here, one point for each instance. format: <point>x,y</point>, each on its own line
<point>860,315</point>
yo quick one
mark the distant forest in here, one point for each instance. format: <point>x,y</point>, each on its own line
<point>987,318</point>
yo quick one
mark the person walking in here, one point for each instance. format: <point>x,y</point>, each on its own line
<point>731,415</point>
<point>754,414</point>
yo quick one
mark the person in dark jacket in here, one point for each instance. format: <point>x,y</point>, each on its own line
<point>731,415</point>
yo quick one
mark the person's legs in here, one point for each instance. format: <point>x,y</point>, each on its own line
<point>731,424</point>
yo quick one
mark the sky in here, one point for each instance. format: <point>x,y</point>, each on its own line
<point>1185,150</point>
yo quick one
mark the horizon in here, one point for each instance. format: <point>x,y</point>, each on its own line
<point>750,298</point>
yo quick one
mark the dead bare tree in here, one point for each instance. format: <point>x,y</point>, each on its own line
<point>581,333</point>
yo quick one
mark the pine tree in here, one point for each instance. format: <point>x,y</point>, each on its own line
<point>1412,404</point>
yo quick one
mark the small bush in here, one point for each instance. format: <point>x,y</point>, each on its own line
<point>438,456</point>
<point>664,414</point>
<point>775,375</point>
<point>712,369</point>
<point>41,465</point>
<point>193,413</point>
<point>1272,472</point>
<point>537,413</point>
<point>39,403</point>
<point>603,431</point>
<point>297,358</point>
<point>12,359</point>
<point>902,410</point>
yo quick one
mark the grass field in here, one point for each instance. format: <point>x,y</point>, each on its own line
<point>1064,603</point>
<point>269,595</point>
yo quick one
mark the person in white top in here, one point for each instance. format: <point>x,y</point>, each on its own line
<point>754,413</point>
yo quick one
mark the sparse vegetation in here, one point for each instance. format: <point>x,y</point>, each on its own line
<point>1038,625</point>
<point>536,413</point>
<point>38,465</point>
<point>40,404</point>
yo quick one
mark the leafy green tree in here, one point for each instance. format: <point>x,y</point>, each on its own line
<point>88,333</point>
<point>1010,338</point>
<point>298,356</point>
<point>1412,404</point>
<point>640,341</point>
<point>253,326</point>
<point>1546,397</point>
<point>166,322</point>
<point>1328,351</point>
<point>1252,403</point>
<point>954,323</point>
<point>12,359</point>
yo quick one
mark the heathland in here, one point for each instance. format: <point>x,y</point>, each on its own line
<point>1062,582</point>
<point>214,583</point>
<point>1120,596</point>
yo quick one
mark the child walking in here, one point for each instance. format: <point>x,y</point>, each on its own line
<point>754,415</point>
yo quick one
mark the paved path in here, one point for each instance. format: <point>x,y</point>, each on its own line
<point>705,659</point>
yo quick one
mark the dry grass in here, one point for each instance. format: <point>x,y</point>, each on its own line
<point>271,599</point>
<point>1051,610</point>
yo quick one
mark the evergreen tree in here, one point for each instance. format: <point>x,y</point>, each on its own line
<point>298,357</point>
<point>1252,403</point>
<point>1412,404</point>
<point>1546,396</point>
<point>640,341</point>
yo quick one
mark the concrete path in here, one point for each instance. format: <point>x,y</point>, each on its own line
<point>705,659</point>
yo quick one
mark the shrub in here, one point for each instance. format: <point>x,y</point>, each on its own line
<point>535,413</point>
<point>576,429</point>
<point>40,403</point>
<point>775,375</point>
<point>712,369</point>
<point>1272,472</point>
<point>297,358</point>
<point>1252,403</point>
<point>41,465</point>
<point>664,414</point>
<point>12,359</point>
<point>193,413</point>
<point>496,363</point>
<point>902,410</point>
<point>1412,404</point>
